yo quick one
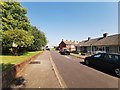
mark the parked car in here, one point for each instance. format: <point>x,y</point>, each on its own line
<point>48,49</point>
<point>64,51</point>
<point>106,61</point>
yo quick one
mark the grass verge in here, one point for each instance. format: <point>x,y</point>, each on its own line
<point>8,61</point>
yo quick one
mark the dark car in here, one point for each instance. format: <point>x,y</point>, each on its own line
<point>48,49</point>
<point>106,61</point>
<point>65,52</point>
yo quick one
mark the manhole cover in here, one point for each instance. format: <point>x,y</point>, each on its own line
<point>34,62</point>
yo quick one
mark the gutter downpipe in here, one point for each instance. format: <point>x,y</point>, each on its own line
<point>91,50</point>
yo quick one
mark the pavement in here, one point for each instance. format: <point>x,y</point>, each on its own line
<point>39,73</point>
<point>78,55</point>
<point>52,70</point>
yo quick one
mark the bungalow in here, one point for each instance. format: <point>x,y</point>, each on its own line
<point>69,45</point>
<point>106,43</point>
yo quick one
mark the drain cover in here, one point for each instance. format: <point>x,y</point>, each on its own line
<point>34,62</point>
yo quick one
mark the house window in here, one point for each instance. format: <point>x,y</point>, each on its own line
<point>119,49</point>
<point>68,44</point>
<point>92,48</point>
<point>103,49</point>
<point>107,49</point>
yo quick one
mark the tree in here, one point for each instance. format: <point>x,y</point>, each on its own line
<point>39,39</point>
<point>16,29</point>
<point>18,37</point>
<point>0,42</point>
<point>13,19</point>
<point>13,15</point>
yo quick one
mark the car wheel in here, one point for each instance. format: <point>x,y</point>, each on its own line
<point>117,71</point>
<point>87,62</point>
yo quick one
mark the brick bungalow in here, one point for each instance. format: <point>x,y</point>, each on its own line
<point>106,43</point>
<point>69,45</point>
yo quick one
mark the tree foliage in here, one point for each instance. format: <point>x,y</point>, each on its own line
<point>13,16</point>
<point>20,37</point>
<point>16,28</point>
<point>39,39</point>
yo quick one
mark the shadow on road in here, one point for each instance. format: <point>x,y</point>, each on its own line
<point>104,70</point>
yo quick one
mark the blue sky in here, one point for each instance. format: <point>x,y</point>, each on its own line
<point>73,21</point>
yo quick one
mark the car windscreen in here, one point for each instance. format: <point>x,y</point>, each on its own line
<point>117,57</point>
<point>65,50</point>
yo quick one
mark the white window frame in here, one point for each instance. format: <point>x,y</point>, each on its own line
<point>108,49</point>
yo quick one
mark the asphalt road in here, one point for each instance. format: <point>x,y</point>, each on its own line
<point>78,75</point>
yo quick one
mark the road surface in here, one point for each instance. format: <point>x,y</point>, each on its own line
<point>78,75</point>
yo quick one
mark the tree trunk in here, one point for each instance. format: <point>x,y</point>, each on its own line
<point>16,51</point>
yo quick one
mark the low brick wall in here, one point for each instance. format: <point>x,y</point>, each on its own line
<point>10,74</point>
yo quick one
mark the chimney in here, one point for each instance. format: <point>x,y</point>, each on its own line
<point>62,39</point>
<point>105,35</point>
<point>89,38</point>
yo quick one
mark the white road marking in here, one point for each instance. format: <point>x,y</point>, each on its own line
<point>67,57</point>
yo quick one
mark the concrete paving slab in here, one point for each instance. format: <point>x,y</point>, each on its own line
<point>40,75</point>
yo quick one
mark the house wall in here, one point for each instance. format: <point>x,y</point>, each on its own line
<point>71,47</point>
<point>89,49</point>
<point>112,49</point>
<point>62,44</point>
<point>81,49</point>
<point>78,49</point>
<point>68,46</point>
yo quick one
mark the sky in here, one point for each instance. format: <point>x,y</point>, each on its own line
<point>73,20</point>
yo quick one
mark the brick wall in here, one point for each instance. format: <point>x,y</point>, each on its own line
<point>62,44</point>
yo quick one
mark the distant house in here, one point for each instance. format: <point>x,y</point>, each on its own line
<point>69,45</point>
<point>106,43</point>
